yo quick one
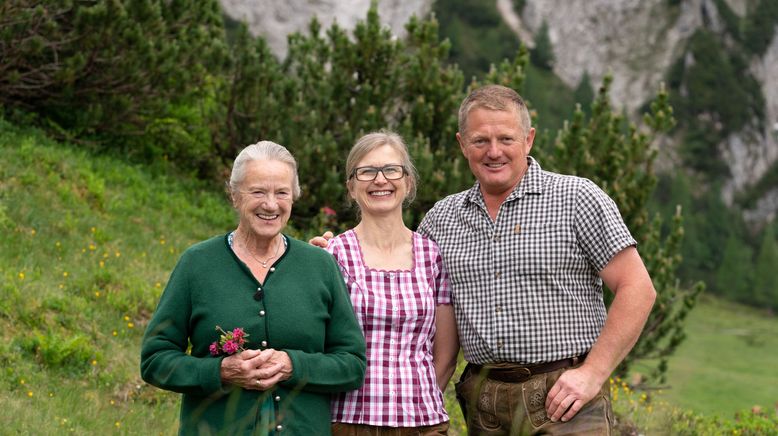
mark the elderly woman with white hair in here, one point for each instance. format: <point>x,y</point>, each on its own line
<point>255,328</point>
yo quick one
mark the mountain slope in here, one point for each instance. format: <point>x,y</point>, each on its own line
<point>88,243</point>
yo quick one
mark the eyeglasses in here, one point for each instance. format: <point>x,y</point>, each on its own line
<point>368,174</point>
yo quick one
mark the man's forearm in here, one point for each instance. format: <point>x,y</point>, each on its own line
<point>627,316</point>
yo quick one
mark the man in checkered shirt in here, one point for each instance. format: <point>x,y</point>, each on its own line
<point>527,252</point>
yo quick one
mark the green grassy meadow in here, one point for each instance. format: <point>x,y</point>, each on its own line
<point>88,243</point>
<point>729,361</point>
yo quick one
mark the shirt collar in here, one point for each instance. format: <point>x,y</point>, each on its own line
<point>530,183</point>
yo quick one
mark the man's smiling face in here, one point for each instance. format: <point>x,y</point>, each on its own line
<point>496,147</point>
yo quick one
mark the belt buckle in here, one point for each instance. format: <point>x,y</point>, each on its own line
<point>524,372</point>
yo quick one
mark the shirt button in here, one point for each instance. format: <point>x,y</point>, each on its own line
<point>261,313</point>
<point>497,275</point>
<point>496,238</point>
<point>277,398</point>
<point>499,343</point>
<point>279,427</point>
<point>517,229</point>
<point>391,275</point>
<point>391,341</point>
<point>263,343</point>
<point>498,309</point>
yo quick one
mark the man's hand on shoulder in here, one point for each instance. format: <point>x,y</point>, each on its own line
<point>321,241</point>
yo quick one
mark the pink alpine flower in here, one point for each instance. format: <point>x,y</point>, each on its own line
<point>230,342</point>
<point>230,347</point>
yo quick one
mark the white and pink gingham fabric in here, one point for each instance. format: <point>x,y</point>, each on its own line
<point>396,310</point>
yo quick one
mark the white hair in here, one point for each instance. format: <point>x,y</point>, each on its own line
<point>263,150</point>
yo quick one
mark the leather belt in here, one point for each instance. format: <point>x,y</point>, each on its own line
<point>521,373</point>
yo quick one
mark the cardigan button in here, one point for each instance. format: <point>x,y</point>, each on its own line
<point>263,343</point>
<point>279,427</point>
<point>277,398</point>
<point>272,269</point>
<point>261,313</point>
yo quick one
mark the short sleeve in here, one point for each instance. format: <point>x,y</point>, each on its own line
<point>599,227</point>
<point>441,282</point>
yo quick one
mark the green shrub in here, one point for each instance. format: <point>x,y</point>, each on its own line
<point>111,70</point>
<point>75,352</point>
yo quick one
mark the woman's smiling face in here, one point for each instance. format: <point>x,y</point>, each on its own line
<point>379,196</point>
<point>264,200</point>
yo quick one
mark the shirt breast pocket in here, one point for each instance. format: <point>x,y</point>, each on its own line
<point>542,248</point>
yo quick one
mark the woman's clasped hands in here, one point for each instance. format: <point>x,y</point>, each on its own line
<point>256,369</point>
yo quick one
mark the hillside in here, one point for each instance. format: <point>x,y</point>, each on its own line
<point>90,241</point>
<point>88,244</point>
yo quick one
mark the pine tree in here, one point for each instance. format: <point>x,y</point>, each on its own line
<point>734,278</point>
<point>330,90</point>
<point>584,93</point>
<point>543,53</point>
<point>765,279</point>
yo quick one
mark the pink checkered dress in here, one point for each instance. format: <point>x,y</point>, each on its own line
<point>396,310</point>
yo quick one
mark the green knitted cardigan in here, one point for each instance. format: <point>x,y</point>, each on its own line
<point>304,311</point>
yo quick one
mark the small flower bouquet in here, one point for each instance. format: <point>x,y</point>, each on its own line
<point>229,342</point>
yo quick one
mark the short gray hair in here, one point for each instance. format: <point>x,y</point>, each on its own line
<point>263,150</point>
<point>496,98</point>
<point>370,142</point>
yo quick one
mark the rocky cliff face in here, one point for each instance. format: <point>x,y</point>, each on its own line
<point>275,20</point>
<point>636,40</point>
<point>750,157</point>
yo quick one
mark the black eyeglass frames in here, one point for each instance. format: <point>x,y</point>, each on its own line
<point>369,173</point>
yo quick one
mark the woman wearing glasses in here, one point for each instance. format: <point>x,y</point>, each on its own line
<point>401,296</point>
<point>255,328</point>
